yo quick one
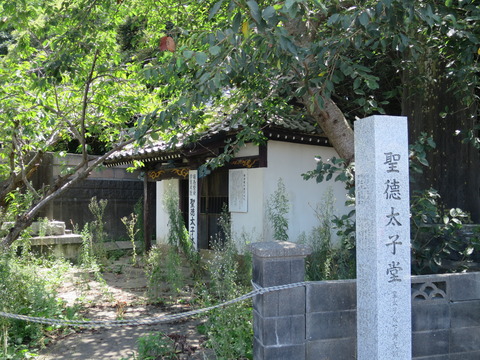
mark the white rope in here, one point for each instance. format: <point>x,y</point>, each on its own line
<point>149,321</point>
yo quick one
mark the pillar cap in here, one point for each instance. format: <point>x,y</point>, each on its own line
<point>273,249</point>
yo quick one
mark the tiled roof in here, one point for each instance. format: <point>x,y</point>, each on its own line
<point>163,151</point>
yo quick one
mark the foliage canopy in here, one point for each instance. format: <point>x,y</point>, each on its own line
<point>90,75</point>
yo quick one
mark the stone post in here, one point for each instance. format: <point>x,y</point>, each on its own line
<point>383,239</point>
<point>279,317</point>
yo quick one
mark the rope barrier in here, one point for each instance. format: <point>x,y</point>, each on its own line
<point>153,320</point>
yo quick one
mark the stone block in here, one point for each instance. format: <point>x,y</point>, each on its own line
<point>279,331</point>
<point>291,301</point>
<point>433,357</point>
<point>332,349</point>
<point>464,286</point>
<point>297,270</point>
<point>266,304</point>
<point>278,271</point>
<point>257,271</point>
<point>465,314</point>
<point>331,325</point>
<point>429,343</point>
<point>258,348</point>
<point>430,316</point>
<point>49,228</point>
<point>474,355</point>
<point>291,352</point>
<point>332,296</point>
<point>272,249</point>
<point>430,288</point>
<point>465,340</point>
<point>281,303</point>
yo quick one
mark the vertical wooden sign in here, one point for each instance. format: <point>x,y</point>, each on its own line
<point>193,207</point>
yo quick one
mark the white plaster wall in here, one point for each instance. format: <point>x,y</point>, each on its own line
<point>249,226</point>
<point>248,149</point>
<point>161,214</point>
<point>288,161</point>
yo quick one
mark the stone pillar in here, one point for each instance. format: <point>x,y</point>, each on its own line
<point>383,239</point>
<point>279,317</point>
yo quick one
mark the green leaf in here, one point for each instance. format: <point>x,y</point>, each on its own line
<point>201,58</point>
<point>289,3</point>
<point>364,19</point>
<point>188,54</point>
<point>254,11</point>
<point>333,19</point>
<point>268,13</point>
<point>214,50</point>
<point>237,21</point>
<point>214,9</point>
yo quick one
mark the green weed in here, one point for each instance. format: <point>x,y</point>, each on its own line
<point>229,329</point>
<point>24,292</point>
<point>277,211</point>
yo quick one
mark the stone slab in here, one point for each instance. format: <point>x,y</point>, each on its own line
<point>429,343</point>
<point>331,325</point>
<point>56,240</point>
<point>474,355</point>
<point>332,296</point>
<point>278,271</point>
<point>465,286</point>
<point>383,238</point>
<point>465,314</point>
<point>332,349</point>
<point>279,249</point>
<point>430,316</point>
<point>465,340</point>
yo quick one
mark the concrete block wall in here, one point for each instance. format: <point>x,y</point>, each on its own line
<point>331,320</point>
<point>318,321</point>
<point>279,317</point>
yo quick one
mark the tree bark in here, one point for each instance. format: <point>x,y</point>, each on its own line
<point>328,116</point>
<point>336,128</point>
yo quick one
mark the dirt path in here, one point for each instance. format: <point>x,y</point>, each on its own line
<point>122,295</point>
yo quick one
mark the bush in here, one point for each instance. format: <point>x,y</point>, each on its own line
<point>435,240</point>
<point>24,292</point>
<point>229,329</point>
<point>156,346</point>
<point>277,211</point>
<point>329,262</point>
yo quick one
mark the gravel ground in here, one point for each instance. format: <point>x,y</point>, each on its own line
<point>122,295</point>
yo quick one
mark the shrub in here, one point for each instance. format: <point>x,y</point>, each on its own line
<point>329,262</point>
<point>277,211</point>
<point>229,329</point>
<point>24,292</point>
<point>435,240</point>
<point>156,346</point>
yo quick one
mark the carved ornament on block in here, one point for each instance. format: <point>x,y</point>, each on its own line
<point>430,290</point>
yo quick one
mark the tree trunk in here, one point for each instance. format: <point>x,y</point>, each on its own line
<point>329,116</point>
<point>334,125</point>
